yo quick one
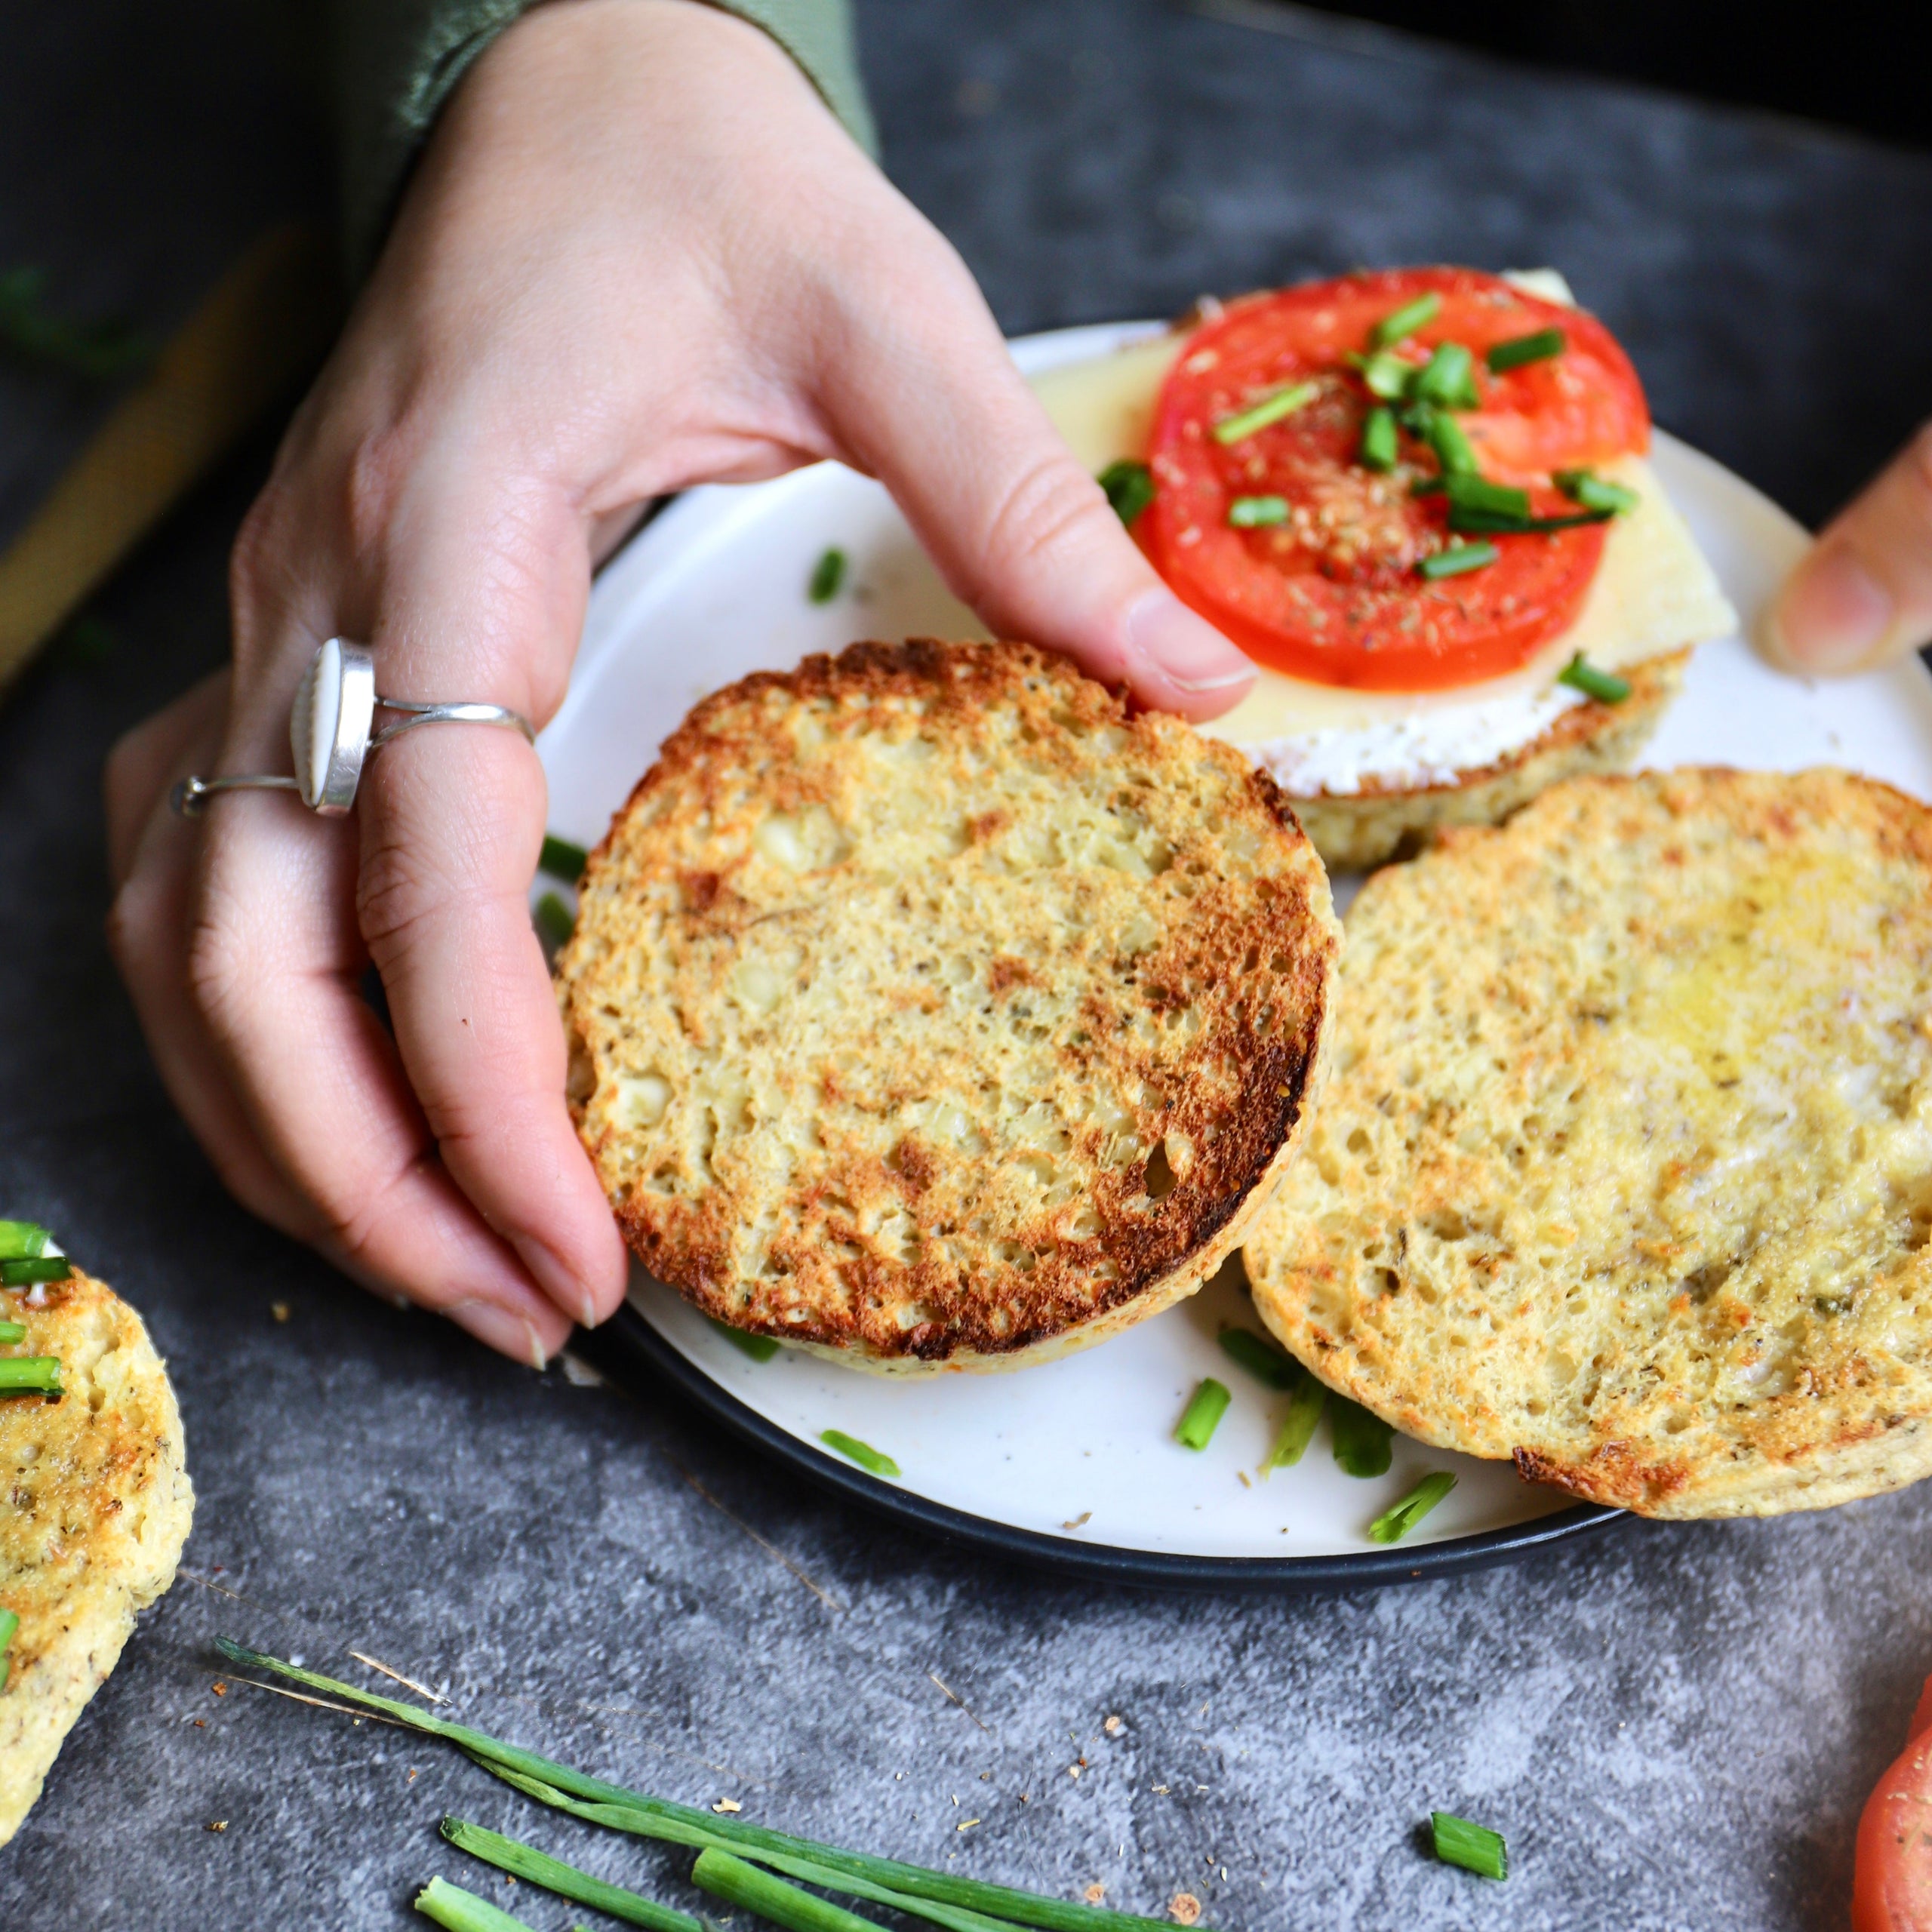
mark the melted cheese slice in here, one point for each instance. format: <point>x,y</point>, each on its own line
<point>1653,593</point>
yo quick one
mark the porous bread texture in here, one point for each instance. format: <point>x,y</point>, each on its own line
<point>1368,828</point>
<point>926,1007</point>
<point>98,1507</point>
<point>1624,1167</point>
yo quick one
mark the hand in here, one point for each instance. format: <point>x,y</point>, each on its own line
<point>639,254</point>
<point>1863,595</point>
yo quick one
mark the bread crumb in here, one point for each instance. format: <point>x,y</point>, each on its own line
<point>280,1310</point>
<point>727,1804</point>
<point>1095,1893</point>
<point>217,1824</point>
<point>1112,1727</point>
<point>1184,1909</point>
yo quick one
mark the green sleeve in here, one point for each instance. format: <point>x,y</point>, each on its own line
<point>396,62</point>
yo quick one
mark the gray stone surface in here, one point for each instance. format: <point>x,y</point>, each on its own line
<point>1675,1726</point>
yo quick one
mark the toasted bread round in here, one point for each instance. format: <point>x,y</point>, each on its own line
<point>1624,1166</point>
<point>926,1007</point>
<point>1355,830</point>
<point>98,1505</point>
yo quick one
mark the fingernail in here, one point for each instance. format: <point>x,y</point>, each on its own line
<point>1186,649</point>
<point>559,1281</point>
<point>1834,614</point>
<point>508,1333</point>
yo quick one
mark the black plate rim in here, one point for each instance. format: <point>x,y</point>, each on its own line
<point>628,1346</point>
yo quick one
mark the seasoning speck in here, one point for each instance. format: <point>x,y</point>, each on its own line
<point>217,1824</point>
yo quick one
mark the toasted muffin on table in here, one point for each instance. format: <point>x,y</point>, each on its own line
<point>927,1009</point>
<point>98,1507</point>
<point>1419,499</point>
<point>1624,1169</point>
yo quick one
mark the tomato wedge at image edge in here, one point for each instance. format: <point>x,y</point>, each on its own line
<point>1891,1888</point>
<point>1328,590</point>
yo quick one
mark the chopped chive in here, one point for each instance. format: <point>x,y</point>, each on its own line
<point>1360,1439</point>
<point>1396,1521</point>
<point>1267,1361</point>
<point>1467,492</point>
<point>730,1878</point>
<point>867,1458</point>
<point>828,573</point>
<point>1474,1847</point>
<point>561,859</point>
<point>1270,409</point>
<point>9,1623</point>
<point>21,1239</point>
<point>1257,512</point>
<point>1443,435</point>
<point>1378,447</point>
<point>1129,486</point>
<point>760,1348</point>
<point>1604,686</point>
<point>1202,1416</point>
<point>555,921</point>
<point>1464,557</point>
<point>634,1811</point>
<point>23,1375</point>
<point>24,1270</point>
<point>1449,381</point>
<point>13,1331</point>
<point>537,1868</point>
<point>1596,492</point>
<point>1406,320</point>
<point>451,1907</point>
<point>1519,349</point>
<point>1387,375</point>
<point>1298,1428</point>
<point>1492,524</point>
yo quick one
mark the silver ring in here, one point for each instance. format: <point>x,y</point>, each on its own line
<point>330,732</point>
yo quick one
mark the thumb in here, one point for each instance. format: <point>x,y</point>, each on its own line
<point>1863,593</point>
<point>1018,528</point>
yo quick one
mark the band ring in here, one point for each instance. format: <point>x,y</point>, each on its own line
<point>331,733</point>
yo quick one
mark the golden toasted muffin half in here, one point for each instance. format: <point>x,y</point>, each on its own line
<point>926,1008</point>
<point>98,1507</point>
<point>1624,1168</point>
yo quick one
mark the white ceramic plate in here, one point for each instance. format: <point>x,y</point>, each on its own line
<point>1076,1461</point>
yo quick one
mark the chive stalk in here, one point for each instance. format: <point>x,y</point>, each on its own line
<point>1298,1428</point>
<point>1361,1440</point>
<point>1445,436</point>
<point>1474,1847</point>
<point>1449,380</point>
<point>1468,492</point>
<point>1592,492</point>
<point>23,1271</point>
<point>1202,1416</point>
<point>21,1239</point>
<point>737,1883</point>
<point>1378,446</point>
<point>876,1462</point>
<point>1396,1521</point>
<point>23,1375</point>
<point>451,1907</point>
<point>639,1824</point>
<point>611,1802</point>
<point>1129,486</point>
<point>555,921</point>
<point>1465,557</point>
<point>1604,686</point>
<point>828,574</point>
<point>1406,320</point>
<point>760,1348</point>
<point>9,1623</point>
<point>1265,1360</point>
<point>561,859</point>
<point>1489,523</point>
<point>13,1331</point>
<point>1270,410</point>
<point>1257,512</point>
<point>1504,356</point>
<point>1385,375</point>
<point>537,1868</point>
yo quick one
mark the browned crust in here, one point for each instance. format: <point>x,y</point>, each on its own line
<point>1366,828</point>
<point>1254,958</point>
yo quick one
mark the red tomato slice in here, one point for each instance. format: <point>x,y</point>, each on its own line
<point>1332,596</point>
<point>1891,1885</point>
